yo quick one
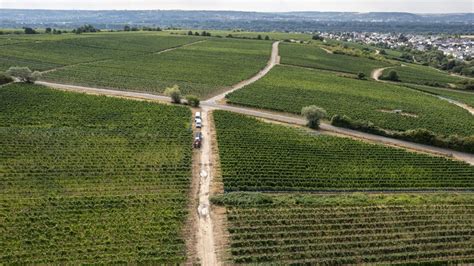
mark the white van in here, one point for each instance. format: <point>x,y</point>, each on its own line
<point>197,116</point>
<point>198,123</point>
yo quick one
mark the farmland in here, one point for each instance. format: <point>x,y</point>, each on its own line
<point>48,52</point>
<point>314,57</point>
<point>88,179</point>
<point>288,89</point>
<point>256,156</point>
<point>424,75</point>
<point>202,68</point>
<point>460,96</point>
<point>349,229</point>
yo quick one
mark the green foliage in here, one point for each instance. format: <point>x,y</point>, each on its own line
<point>315,57</point>
<point>392,76</point>
<point>313,115</point>
<point>199,69</point>
<point>420,135</point>
<point>23,74</point>
<point>88,179</point>
<point>423,75</point>
<point>289,89</point>
<point>257,156</point>
<point>361,75</point>
<point>350,229</point>
<point>192,100</point>
<point>174,93</point>
<point>4,78</point>
<point>457,95</point>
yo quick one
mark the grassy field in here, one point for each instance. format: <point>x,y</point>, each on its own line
<point>424,75</point>
<point>202,68</point>
<point>252,34</point>
<point>257,156</point>
<point>460,96</point>
<point>350,229</point>
<point>314,57</point>
<point>88,179</point>
<point>289,89</point>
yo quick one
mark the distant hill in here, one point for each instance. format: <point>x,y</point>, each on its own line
<point>288,21</point>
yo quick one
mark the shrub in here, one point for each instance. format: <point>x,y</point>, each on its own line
<point>192,100</point>
<point>313,114</point>
<point>4,78</point>
<point>174,93</point>
<point>361,75</point>
<point>393,76</point>
<point>24,74</point>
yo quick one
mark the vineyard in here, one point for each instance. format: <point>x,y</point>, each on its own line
<point>424,76</point>
<point>350,229</point>
<point>43,53</point>
<point>88,179</point>
<point>315,57</point>
<point>457,95</point>
<point>288,89</point>
<point>257,156</point>
<point>201,69</point>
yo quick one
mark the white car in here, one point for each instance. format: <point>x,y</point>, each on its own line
<point>198,123</point>
<point>197,116</point>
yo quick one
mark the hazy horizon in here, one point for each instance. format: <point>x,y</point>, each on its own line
<point>363,6</point>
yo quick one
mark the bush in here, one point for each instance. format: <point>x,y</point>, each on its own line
<point>393,76</point>
<point>4,79</point>
<point>24,74</point>
<point>174,93</point>
<point>192,100</point>
<point>313,114</point>
<point>361,75</point>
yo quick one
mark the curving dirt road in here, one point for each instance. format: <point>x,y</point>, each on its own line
<point>274,60</point>
<point>377,73</point>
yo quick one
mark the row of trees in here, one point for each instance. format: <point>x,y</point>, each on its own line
<point>21,74</point>
<point>175,94</point>
<point>129,28</point>
<point>204,33</point>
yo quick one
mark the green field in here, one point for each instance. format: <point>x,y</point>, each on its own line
<point>288,89</point>
<point>350,229</point>
<point>424,75</point>
<point>88,179</point>
<point>315,57</point>
<point>49,51</point>
<point>257,156</point>
<point>457,95</point>
<point>202,68</point>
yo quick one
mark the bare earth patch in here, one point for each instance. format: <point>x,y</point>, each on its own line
<point>399,112</point>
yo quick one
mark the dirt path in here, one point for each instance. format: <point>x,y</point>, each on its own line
<point>205,236</point>
<point>460,104</point>
<point>377,73</point>
<point>274,60</point>
<point>326,50</point>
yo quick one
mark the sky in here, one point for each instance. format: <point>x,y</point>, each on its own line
<point>413,6</point>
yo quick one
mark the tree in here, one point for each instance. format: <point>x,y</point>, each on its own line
<point>126,28</point>
<point>29,30</point>
<point>393,76</point>
<point>47,30</point>
<point>361,75</point>
<point>174,93</point>
<point>259,37</point>
<point>196,33</point>
<point>24,74</point>
<point>190,33</point>
<point>382,52</point>
<point>192,100</point>
<point>267,38</point>
<point>313,114</point>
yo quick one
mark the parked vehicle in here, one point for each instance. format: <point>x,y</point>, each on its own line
<point>197,140</point>
<point>197,116</point>
<point>198,123</point>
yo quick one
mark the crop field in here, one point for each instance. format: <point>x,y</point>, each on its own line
<point>44,54</point>
<point>314,57</point>
<point>288,89</point>
<point>424,76</point>
<point>201,69</point>
<point>88,179</point>
<point>350,229</point>
<point>457,95</point>
<point>257,156</point>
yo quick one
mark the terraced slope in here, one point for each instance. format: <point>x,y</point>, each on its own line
<point>87,179</point>
<point>457,95</point>
<point>350,229</point>
<point>201,69</point>
<point>257,156</point>
<point>288,89</point>
<point>315,57</point>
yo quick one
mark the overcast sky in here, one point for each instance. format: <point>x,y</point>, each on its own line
<point>415,6</point>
